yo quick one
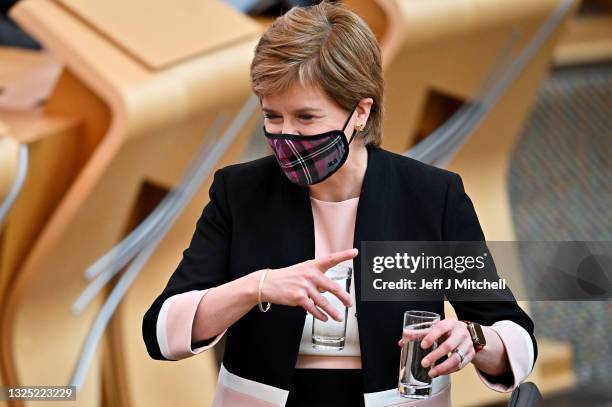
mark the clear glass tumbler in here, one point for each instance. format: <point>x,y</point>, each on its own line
<point>414,381</point>
<point>331,334</point>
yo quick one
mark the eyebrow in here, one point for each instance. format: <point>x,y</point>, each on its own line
<point>302,110</point>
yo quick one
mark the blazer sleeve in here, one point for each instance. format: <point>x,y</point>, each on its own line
<point>166,325</point>
<point>506,318</point>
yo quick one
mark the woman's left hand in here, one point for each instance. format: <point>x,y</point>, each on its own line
<point>450,334</point>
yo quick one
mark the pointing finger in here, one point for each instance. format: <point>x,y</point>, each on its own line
<point>331,260</point>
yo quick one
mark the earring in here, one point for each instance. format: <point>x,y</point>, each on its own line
<point>359,127</point>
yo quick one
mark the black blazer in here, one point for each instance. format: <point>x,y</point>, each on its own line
<point>257,218</point>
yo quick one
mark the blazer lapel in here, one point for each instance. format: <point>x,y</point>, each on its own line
<point>372,224</point>
<point>297,244</point>
<point>372,213</point>
<point>297,223</point>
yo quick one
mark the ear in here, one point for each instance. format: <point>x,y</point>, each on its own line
<point>363,110</point>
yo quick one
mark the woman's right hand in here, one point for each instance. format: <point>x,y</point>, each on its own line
<point>302,285</point>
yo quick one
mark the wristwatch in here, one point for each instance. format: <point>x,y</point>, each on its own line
<point>478,338</point>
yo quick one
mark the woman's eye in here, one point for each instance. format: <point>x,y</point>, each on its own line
<point>302,117</point>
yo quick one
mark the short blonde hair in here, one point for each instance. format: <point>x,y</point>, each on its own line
<point>326,46</point>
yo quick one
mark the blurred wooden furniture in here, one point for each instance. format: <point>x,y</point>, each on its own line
<point>146,86</point>
<point>9,164</point>
<point>588,39</point>
<point>9,172</point>
<point>61,135</point>
<point>26,78</point>
<point>385,19</point>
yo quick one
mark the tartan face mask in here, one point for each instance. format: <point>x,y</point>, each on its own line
<point>308,160</point>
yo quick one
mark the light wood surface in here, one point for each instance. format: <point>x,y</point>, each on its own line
<point>59,143</point>
<point>385,20</point>
<point>26,78</point>
<point>156,120</point>
<point>9,163</point>
<point>588,39</point>
<point>163,36</point>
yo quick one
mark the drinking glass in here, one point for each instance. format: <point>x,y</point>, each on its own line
<point>331,334</point>
<point>414,381</point>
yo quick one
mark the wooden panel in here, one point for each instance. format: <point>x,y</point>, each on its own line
<point>150,30</point>
<point>587,39</point>
<point>26,78</point>
<point>9,162</point>
<point>156,121</point>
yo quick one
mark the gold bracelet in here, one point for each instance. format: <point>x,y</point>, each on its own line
<point>261,280</point>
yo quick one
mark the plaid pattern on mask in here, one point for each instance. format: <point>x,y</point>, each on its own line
<point>306,160</point>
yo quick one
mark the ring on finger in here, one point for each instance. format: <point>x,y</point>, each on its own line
<point>461,355</point>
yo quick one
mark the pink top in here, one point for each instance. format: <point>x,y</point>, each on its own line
<point>334,224</point>
<point>334,230</point>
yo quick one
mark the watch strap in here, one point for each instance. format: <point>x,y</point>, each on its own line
<point>478,345</point>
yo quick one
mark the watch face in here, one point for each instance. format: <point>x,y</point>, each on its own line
<point>480,338</point>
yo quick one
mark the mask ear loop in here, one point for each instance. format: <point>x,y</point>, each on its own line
<point>348,120</point>
<point>352,136</point>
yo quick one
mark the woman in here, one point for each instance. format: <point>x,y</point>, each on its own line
<point>255,265</point>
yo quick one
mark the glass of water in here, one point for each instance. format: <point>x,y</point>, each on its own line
<point>331,334</point>
<point>414,381</point>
